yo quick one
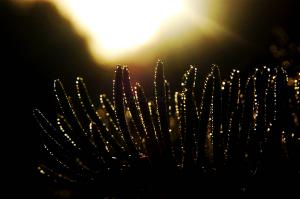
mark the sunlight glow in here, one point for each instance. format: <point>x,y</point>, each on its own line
<point>125,30</point>
<point>114,27</point>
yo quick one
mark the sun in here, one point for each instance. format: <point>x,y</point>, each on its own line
<point>120,30</point>
<point>114,27</point>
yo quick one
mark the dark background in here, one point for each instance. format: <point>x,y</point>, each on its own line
<point>38,45</point>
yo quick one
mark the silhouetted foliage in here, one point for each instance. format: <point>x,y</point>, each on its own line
<point>223,137</point>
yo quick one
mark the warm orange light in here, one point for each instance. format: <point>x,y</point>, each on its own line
<point>121,29</point>
<point>115,27</point>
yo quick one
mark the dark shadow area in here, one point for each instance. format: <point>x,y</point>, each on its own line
<point>37,46</point>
